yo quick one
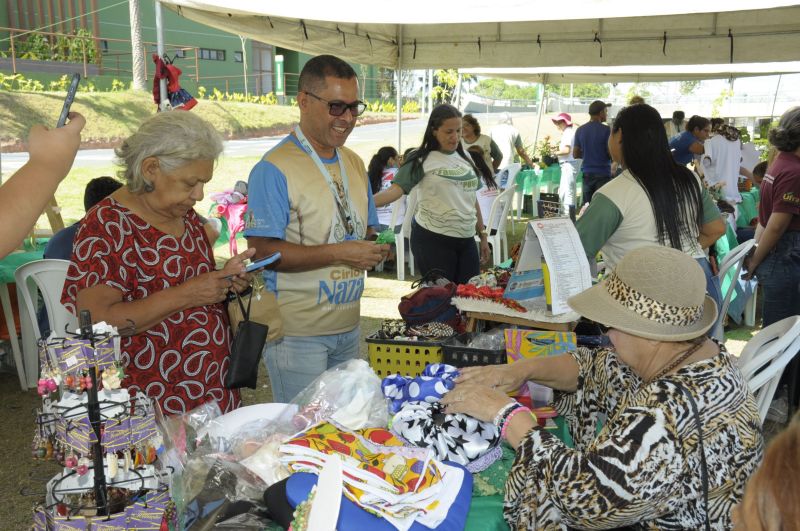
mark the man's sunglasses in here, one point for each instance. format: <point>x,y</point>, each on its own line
<point>337,108</point>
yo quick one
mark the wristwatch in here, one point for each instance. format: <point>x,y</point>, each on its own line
<point>483,232</point>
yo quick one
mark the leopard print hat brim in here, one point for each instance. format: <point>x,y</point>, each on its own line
<point>626,305</point>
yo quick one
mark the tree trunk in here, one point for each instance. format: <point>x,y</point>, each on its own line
<point>137,48</point>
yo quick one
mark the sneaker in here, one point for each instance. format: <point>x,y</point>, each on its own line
<point>779,410</point>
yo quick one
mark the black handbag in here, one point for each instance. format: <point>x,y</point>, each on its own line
<point>248,343</point>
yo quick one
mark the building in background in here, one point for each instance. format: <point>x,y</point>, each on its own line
<point>208,57</point>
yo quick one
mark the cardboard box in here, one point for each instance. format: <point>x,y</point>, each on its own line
<point>522,344</point>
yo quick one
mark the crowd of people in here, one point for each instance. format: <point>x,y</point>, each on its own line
<point>681,434</point>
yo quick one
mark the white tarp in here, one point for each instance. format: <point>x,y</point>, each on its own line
<point>635,73</point>
<point>516,33</point>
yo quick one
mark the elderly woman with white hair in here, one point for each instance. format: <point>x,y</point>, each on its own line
<point>680,435</point>
<point>142,262</point>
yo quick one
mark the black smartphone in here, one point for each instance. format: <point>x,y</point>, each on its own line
<point>73,88</point>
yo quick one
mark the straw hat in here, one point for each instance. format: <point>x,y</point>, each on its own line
<point>655,292</point>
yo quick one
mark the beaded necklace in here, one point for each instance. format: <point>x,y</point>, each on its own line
<point>680,359</point>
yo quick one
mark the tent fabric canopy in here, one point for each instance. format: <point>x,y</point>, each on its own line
<point>516,33</point>
<point>635,73</point>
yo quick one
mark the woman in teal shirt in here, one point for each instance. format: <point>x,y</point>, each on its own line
<point>448,216</point>
<point>655,201</point>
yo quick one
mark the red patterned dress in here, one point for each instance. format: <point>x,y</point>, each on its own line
<point>182,361</point>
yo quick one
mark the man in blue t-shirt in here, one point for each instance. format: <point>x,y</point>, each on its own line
<point>591,145</point>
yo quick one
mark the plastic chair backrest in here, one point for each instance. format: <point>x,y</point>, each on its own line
<point>396,207</point>
<point>502,202</point>
<point>733,261</point>
<point>411,209</point>
<point>513,170</point>
<point>49,276</point>
<point>772,335</point>
<point>762,364</point>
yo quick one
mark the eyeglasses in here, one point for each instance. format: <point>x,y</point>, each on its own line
<point>337,108</point>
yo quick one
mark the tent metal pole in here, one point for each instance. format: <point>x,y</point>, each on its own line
<point>164,105</point>
<point>775,98</point>
<point>244,62</point>
<point>399,90</point>
<point>430,91</point>
<point>541,112</point>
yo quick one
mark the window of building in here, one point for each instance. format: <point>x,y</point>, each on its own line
<point>212,55</point>
<point>238,57</point>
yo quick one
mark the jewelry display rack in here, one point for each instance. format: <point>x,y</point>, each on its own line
<point>100,490</point>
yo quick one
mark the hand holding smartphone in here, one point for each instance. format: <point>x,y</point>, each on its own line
<point>263,262</point>
<point>73,88</point>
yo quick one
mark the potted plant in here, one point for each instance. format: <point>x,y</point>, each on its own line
<point>545,152</point>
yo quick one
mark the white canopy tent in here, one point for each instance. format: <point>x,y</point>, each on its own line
<point>515,33</point>
<point>636,73</point>
<point>591,35</point>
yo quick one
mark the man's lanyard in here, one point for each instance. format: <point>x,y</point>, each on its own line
<point>344,208</point>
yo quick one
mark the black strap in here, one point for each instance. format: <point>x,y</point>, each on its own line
<point>245,313</point>
<point>430,277</point>
<point>704,467</point>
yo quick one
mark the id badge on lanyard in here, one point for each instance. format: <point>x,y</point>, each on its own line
<point>344,210</point>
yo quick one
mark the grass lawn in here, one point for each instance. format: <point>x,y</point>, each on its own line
<point>111,116</point>
<point>114,115</point>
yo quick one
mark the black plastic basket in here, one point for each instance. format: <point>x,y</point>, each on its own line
<point>457,353</point>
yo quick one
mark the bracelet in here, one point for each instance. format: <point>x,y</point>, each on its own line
<point>503,413</point>
<point>511,415</point>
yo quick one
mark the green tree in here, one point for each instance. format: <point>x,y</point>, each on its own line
<point>719,101</point>
<point>444,85</point>
<point>491,88</point>
<point>638,89</point>
<point>688,86</point>
<point>581,90</point>
<point>499,89</point>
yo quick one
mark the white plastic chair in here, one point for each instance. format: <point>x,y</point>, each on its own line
<point>498,217</point>
<point>398,206</point>
<point>513,170</point>
<point>405,232</point>
<point>765,357</point>
<point>48,276</point>
<point>733,261</point>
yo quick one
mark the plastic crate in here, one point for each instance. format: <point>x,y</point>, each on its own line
<point>396,356</point>
<point>456,352</point>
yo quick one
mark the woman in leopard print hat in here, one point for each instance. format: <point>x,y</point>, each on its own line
<point>681,433</point>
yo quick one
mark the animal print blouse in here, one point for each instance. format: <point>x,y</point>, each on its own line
<point>643,469</point>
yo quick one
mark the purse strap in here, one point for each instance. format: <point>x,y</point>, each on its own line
<point>704,467</point>
<point>245,313</point>
<point>430,277</point>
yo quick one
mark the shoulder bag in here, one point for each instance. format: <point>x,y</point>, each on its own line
<point>246,348</point>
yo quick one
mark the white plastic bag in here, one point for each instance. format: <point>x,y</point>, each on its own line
<point>349,394</point>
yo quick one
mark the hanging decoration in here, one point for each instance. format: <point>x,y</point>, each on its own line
<point>178,97</point>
